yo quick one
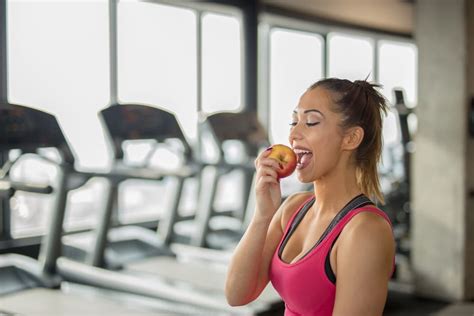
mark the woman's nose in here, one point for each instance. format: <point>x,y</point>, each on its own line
<point>294,134</point>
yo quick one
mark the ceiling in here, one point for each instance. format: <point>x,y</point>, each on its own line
<point>386,15</point>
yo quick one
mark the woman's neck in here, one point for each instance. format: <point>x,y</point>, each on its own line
<point>335,190</point>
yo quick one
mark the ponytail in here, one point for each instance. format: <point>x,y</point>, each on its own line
<point>360,104</point>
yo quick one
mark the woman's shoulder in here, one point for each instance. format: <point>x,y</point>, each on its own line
<point>366,243</point>
<point>369,215</point>
<point>292,204</point>
<point>368,225</point>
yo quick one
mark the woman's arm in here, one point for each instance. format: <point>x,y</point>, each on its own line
<point>364,262</point>
<point>247,273</point>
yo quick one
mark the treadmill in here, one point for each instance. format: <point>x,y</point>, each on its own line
<point>397,199</point>
<point>27,127</point>
<point>205,278</point>
<point>23,281</point>
<point>244,130</point>
<point>32,287</point>
<point>131,122</point>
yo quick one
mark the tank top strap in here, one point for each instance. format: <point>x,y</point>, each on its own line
<point>356,202</point>
<point>336,231</point>
<point>297,215</point>
<point>342,222</point>
<point>302,209</point>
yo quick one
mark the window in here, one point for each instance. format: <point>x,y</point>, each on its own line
<point>296,61</point>
<point>221,62</point>
<point>58,62</point>
<point>157,59</point>
<point>350,57</point>
<point>397,65</point>
<point>398,69</point>
<point>157,65</point>
<point>222,90</point>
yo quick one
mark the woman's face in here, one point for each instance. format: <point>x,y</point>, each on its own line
<point>315,135</point>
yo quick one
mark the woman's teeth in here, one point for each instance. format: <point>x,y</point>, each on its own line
<point>304,158</point>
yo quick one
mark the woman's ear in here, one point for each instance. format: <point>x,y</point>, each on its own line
<point>352,138</point>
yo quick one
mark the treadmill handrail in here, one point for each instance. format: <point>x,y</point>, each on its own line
<point>31,266</point>
<point>11,186</point>
<point>86,274</point>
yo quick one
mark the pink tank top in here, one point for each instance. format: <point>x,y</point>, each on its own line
<point>304,285</point>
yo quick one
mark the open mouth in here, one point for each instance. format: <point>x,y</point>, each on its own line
<point>304,157</point>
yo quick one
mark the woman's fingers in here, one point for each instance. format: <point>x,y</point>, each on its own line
<point>269,162</point>
<point>266,171</point>
<point>262,181</point>
<point>264,154</point>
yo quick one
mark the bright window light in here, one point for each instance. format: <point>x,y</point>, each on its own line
<point>157,59</point>
<point>296,61</point>
<point>350,57</point>
<point>398,69</point>
<point>58,61</point>
<point>221,63</point>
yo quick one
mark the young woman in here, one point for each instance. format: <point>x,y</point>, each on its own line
<point>331,251</point>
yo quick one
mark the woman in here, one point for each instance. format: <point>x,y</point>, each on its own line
<point>322,264</point>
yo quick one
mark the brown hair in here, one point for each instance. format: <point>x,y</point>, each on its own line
<point>360,104</point>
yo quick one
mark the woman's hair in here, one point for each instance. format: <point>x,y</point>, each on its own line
<point>360,104</point>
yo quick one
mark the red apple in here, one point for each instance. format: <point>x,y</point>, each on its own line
<point>286,158</point>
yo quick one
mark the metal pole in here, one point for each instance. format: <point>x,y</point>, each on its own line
<point>113,51</point>
<point>250,35</point>
<point>200,113</point>
<point>5,233</point>
<point>51,247</point>
<point>3,52</point>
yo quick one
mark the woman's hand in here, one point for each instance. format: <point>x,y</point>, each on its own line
<point>267,189</point>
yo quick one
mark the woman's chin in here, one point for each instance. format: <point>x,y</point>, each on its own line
<point>304,176</point>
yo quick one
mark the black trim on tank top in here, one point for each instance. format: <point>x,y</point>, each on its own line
<point>327,263</point>
<point>298,218</point>
<point>358,201</point>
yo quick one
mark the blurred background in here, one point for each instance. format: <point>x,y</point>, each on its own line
<point>251,61</point>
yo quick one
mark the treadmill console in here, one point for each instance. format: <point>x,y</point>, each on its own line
<point>29,129</point>
<point>242,126</point>
<point>136,121</point>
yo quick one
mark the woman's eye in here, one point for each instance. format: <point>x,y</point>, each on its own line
<point>293,123</point>
<point>312,124</point>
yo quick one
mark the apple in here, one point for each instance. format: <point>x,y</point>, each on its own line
<point>286,158</point>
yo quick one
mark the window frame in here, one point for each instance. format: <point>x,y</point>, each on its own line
<point>269,21</point>
<point>200,9</point>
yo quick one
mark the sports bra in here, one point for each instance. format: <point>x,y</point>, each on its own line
<point>307,286</point>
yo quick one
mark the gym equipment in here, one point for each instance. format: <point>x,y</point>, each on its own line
<point>24,279</point>
<point>220,129</point>
<point>397,199</point>
<point>30,129</point>
<point>133,122</point>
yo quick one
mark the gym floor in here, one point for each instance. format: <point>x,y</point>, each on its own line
<point>400,303</point>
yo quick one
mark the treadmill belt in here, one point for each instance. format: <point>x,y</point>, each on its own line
<point>203,276</point>
<point>47,302</point>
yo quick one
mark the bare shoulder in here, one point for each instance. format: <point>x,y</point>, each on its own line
<point>369,229</point>
<point>369,223</point>
<point>364,261</point>
<point>291,205</point>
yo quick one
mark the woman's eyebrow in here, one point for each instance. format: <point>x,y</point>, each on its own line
<point>313,110</point>
<point>310,110</point>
